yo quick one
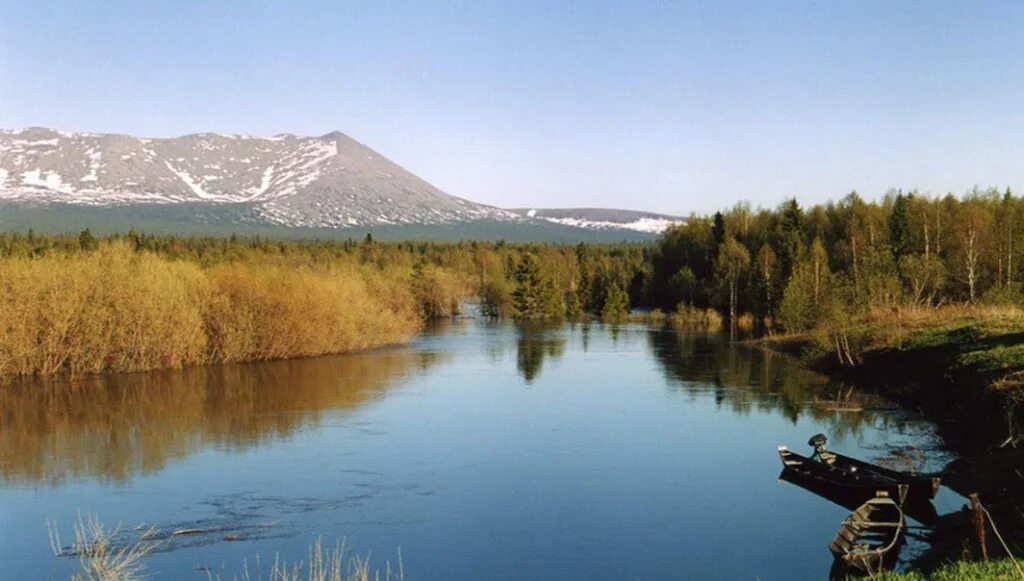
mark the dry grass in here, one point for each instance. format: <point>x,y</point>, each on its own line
<point>331,564</point>
<point>653,317</point>
<point>100,558</point>
<point>745,321</point>
<point>693,318</point>
<point>118,310</point>
<point>912,327</point>
<point>915,325</point>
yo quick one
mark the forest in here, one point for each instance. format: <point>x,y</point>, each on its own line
<point>80,303</point>
<point>798,268</point>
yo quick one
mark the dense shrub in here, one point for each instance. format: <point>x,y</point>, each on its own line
<point>120,310</point>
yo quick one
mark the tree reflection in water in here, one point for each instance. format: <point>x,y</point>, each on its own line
<point>746,379</point>
<point>536,341</point>
<point>113,427</point>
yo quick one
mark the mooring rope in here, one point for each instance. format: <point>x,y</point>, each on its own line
<point>1006,548</point>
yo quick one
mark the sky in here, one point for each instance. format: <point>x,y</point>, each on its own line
<point>663,106</point>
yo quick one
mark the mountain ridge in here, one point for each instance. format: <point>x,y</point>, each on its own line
<point>327,181</point>
<point>324,182</point>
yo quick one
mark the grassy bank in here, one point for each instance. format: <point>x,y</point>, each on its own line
<point>963,367</point>
<point>1003,570</point>
<point>117,309</point>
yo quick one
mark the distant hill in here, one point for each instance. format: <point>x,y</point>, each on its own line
<point>603,218</point>
<point>222,220</point>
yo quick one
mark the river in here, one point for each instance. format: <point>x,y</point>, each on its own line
<point>482,450</point>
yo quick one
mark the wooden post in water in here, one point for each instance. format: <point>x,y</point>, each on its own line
<point>979,524</point>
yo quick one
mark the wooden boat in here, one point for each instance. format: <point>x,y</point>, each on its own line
<point>921,510</point>
<point>921,485</point>
<point>856,476</point>
<point>869,538</point>
<point>854,482</point>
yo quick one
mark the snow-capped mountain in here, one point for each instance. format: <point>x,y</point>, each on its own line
<point>212,182</point>
<point>331,181</point>
<point>603,218</point>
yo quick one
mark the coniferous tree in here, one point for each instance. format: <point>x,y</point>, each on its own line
<point>86,241</point>
<point>616,305</point>
<point>583,285</point>
<point>899,227</point>
<point>573,309</point>
<point>791,237</point>
<point>535,296</point>
<point>717,233</point>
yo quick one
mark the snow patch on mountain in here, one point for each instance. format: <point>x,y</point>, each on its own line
<point>651,225</point>
<point>604,219</point>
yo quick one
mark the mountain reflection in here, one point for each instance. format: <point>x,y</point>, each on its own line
<point>746,379</point>
<point>113,427</point>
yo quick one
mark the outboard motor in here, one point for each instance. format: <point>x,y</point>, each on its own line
<point>817,441</point>
<point>822,455</point>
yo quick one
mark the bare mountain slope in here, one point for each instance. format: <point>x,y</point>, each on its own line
<point>331,181</point>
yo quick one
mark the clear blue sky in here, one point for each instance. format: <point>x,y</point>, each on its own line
<point>673,106</point>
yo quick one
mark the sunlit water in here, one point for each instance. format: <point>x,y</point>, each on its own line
<point>481,451</point>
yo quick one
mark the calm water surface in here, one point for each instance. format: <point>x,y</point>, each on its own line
<point>482,451</point>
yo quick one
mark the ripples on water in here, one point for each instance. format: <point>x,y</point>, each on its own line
<point>483,450</point>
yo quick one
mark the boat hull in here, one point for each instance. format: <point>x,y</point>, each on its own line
<point>856,484</point>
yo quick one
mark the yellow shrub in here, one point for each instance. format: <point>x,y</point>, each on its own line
<point>271,312</point>
<point>108,310</point>
<point>118,310</point>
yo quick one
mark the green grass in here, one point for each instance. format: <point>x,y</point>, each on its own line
<point>962,571</point>
<point>997,358</point>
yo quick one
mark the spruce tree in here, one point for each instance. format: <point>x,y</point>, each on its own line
<point>899,227</point>
<point>583,287</point>
<point>791,236</point>
<point>573,309</point>
<point>717,232</point>
<point>86,241</point>
<point>528,296</point>
<point>616,304</point>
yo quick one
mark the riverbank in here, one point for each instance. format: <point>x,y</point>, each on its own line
<point>1000,570</point>
<point>963,367</point>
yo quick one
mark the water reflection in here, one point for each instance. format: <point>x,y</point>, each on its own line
<point>114,427</point>
<point>747,379</point>
<point>663,442</point>
<point>535,342</point>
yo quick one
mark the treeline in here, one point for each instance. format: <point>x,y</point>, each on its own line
<point>81,304</point>
<point>823,265</point>
<point>567,280</point>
